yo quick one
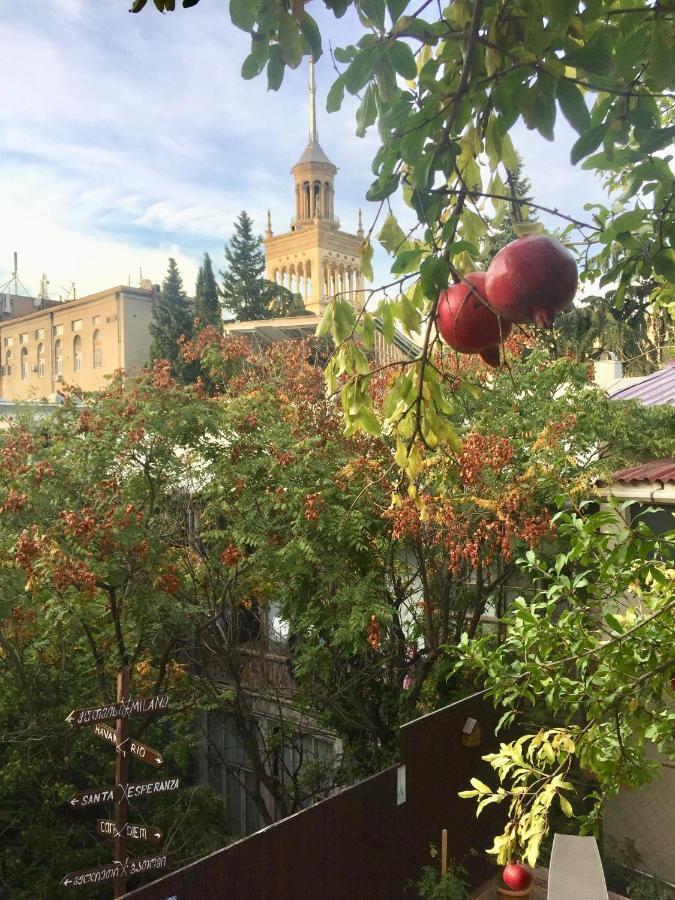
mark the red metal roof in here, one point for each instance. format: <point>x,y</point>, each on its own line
<point>661,470</point>
<point>657,389</point>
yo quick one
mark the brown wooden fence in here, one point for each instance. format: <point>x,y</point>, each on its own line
<point>368,841</point>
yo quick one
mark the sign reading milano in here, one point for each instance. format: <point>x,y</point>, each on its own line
<point>123,709</point>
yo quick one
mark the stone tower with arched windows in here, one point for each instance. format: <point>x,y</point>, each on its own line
<point>315,259</point>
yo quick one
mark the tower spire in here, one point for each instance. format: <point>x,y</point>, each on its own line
<point>313,135</point>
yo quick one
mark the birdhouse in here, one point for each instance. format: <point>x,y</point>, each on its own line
<point>471,733</point>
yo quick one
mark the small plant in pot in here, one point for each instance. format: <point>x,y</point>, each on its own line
<point>514,881</point>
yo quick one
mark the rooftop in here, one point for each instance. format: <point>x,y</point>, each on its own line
<point>660,471</point>
<point>657,389</point>
<point>314,154</point>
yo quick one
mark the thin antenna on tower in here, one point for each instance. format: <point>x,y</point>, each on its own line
<point>313,134</point>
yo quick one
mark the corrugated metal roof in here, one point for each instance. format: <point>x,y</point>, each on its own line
<point>657,389</point>
<point>661,470</point>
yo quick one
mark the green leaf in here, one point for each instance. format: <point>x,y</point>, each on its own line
<point>588,142</point>
<point>660,137</point>
<point>137,5</point>
<point>402,59</point>
<point>409,26</point>
<point>360,70</point>
<point>434,276</point>
<point>373,11</point>
<point>367,259</point>
<point>539,107</point>
<point>383,187</point>
<point>573,106</point>
<point>243,13</point>
<point>391,235</point>
<point>335,95</point>
<point>290,41</point>
<point>565,806</point>
<point>368,421</point>
<point>255,61</point>
<point>407,261</point>
<point>367,111</point>
<point>661,56</point>
<point>594,56</point>
<point>395,8</point>
<point>664,264</point>
<point>310,32</point>
<point>480,787</point>
<point>614,623</point>
<point>275,69</point>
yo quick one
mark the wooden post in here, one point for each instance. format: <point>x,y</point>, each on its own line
<point>444,851</point>
<point>121,780</point>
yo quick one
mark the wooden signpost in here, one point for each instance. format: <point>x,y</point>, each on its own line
<point>116,870</point>
<point>140,751</point>
<point>149,833</point>
<point>120,829</point>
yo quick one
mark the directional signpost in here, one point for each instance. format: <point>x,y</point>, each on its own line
<point>82,799</point>
<point>140,751</point>
<point>149,833</point>
<point>120,829</point>
<point>116,870</point>
<point>143,706</point>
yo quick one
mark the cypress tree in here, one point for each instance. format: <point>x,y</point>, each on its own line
<point>245,292</point>
<point>207,304</point>
<point>171,319</point>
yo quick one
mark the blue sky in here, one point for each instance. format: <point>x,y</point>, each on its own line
<point>126,139</point>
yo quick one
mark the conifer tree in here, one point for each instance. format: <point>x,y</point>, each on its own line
<point>519,187</point>
<point>207,304</point>
<point>245,292</point>
<point>171,319</point>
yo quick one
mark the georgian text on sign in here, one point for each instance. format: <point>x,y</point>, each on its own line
<point>123,709</point>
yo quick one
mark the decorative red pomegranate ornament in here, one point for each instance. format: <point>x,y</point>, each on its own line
<point>465,322</point>
<point>531,280</point>
<point>516,876</point>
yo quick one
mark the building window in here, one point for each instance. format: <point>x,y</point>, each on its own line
<point>98,349</point>
<point>8,361</point>
<point>58,358</point>
<point>40,334</point>
<point>24,363</point>
<point>9,342</point>
<point>57,330</point>
<point>77,354</point>
<point>96,320</point>
<point>41,360</point>
<point>23,338</point>
<point>230,774</point>
<point>76,325</point>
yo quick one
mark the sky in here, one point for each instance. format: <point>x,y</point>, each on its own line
<point>127,139</point>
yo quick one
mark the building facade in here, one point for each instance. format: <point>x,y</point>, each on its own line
<point>78,343</point>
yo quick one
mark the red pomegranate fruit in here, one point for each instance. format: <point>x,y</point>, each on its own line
<point>531,280</point>
<point>491,357</point>
<point>463,319</point>
<point>516,876</point>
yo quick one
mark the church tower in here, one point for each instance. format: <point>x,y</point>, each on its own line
<point>315,259</point>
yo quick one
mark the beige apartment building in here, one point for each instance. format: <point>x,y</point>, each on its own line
<point>79,343</point>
